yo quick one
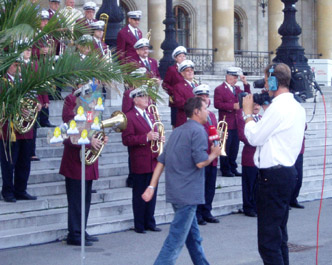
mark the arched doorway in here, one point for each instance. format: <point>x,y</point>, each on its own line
<point>181,25</point>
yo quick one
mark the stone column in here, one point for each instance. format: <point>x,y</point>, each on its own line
<point>275,19</point>
<point>156,15</point>
<point>223,33</point>
<point>324,22</point>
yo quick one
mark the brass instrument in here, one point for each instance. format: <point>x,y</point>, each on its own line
<point>157,146</point>
<point>118,123</point>
<point>104,17</point>
<point>222,129</point>
<point>24,122</point>
<point>148,35</point>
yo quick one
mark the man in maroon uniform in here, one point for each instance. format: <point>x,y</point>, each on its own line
<point>184,90</point>
<point>226,101</point>
<point>172,77</point>
<point>98,31</point>
<point>89,14</point>
<point>15,154</point>
<point>203,212</point>
<point>143,60</point>
<point>128,36</point>
<point>54,7</point>
<point>138,136</point>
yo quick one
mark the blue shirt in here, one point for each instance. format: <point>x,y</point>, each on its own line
<point>186,147</point>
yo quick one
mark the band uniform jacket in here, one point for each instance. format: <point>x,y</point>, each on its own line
<point>172,77</point>
<point>71,161</point>
<point>206,127</point>
<point>153,72</point>
<point>224,101</point>
<point>125,43</point>
<point>182,92</point>
<point>142,160</point>
<point>248,150</point>
<point>4,130</point>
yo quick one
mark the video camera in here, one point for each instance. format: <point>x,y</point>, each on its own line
<point>259,98</point>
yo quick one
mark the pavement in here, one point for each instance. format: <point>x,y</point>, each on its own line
<point>231,242</point>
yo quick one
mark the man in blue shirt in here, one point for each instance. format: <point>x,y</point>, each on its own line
<point>185,157</point>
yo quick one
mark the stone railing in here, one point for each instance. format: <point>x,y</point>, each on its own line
<point>203,60</point>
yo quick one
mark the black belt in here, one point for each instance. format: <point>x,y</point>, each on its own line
<point>271,168</point>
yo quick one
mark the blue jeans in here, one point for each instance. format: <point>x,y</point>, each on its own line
<point>183,229</point>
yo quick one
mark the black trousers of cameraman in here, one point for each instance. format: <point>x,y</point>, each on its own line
<point>275,187</point>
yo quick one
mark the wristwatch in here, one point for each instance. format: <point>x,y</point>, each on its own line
<point>245,117</point>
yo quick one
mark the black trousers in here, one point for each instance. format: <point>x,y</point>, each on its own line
<point>143,211</point>
<point>16,170</point>
<point>275,186</point>
<point>204,210</point>
<point>228,163</point>
<point>299,178</point>
<point>43,116</point>
<point>249,177</point>
<point>73,189</point>
<point>174,110</point>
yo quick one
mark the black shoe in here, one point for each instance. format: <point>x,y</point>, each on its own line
<point>25,196</point>
<point>227,174</point>
<point>237,173</point>
<point>89,238</point>
<point>202,222</point>
<point>250,214</point>
<point>78,242</point>
<point>296,205</point>
<point>139,231</point>
<point>34,158</point>
<point>47,125</point>
<point>9,199</point>
<point>212,220</point>
<point>93,191</point>
<point>154,229</point>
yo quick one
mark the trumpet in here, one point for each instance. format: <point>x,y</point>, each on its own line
<point>222,129</point>
<point>157,146</point>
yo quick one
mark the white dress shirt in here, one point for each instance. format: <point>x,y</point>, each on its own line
<point>279,134</point>
<point>132,29</point>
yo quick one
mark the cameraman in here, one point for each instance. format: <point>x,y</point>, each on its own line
<point>278,137</point>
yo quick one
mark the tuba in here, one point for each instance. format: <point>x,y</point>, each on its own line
<point>24,122</point>
<point>118,123</point>
<point>104,17</point>
<point>222,129</point>
<point>157,146</point>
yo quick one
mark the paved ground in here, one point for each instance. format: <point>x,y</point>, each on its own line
<point>232,242</point>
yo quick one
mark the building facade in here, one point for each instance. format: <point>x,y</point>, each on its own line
<point>235,29</point>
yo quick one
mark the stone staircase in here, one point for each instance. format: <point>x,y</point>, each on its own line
<point>44,220</point>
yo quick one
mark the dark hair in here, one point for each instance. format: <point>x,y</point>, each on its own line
<point>282,72</point>
<point>191,105</point>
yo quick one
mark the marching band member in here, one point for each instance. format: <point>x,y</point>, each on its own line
<point>172,77</point>
<point>89,14</point>
<point>98,31</point>
<point>42,48</point>
<point>143,59</point>
<point>128,36</point>
<point>138,136</point>
<point>226,101</point>
<point>71,166</point>
<point>184,90</point>
<point>54,7</point>
<point>15,160</point>
<point>203,213</point>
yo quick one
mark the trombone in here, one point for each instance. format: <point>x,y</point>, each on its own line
<point>222,129</point>
<point>157,146</point>
<point>104,17</point>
